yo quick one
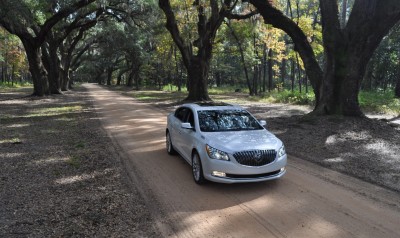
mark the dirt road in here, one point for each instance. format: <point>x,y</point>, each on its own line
<point>309,201</point>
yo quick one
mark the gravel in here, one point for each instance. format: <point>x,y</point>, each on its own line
<point>60,174</point>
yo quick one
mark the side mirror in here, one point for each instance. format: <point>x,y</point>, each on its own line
<point>263,123</point>
<point>186,125</point>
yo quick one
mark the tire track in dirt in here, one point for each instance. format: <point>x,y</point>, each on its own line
<point>309,201</point>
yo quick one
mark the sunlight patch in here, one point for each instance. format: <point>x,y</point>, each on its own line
<point>73,179</point>
<point>331,140</point>
<point>50,161</point>
<point>82,177</point>
<point>334,160</point>
<point>383,147</point>
<point>10,155</point>
<point>17,125</point>
<point>356,136</point>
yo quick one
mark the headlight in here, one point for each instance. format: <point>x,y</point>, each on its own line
<point>216,154</point>
<point>281,151</point>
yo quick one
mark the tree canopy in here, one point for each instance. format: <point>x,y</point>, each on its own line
<point>331,48</point>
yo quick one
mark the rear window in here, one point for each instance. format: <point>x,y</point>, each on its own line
<point>227,120</point>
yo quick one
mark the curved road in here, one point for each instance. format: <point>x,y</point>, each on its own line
<point>309,201</point>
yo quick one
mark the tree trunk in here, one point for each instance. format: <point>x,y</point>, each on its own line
<point>255,79</point>
<point>177,77</point>
<point>397,89</point>
<point>198,75</point>
<point>270,71</point>
<point>218,79</point>
<point>12,75</point>
<point>264,62</point>
<point>347,50</point>
<point>52,65</point>
<point>209,20</point>
<point>241,51</point>
<point>279,20</point>
<point>36,68</point>
<point>129,81</point>
<point>343,17</point>
<point>109,75</point>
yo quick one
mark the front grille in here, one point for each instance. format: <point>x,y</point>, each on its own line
<point>255,157</point>
<point>252,176</point>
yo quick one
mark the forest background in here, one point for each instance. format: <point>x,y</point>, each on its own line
<point>54,44</point>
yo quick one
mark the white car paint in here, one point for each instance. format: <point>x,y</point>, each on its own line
<point>188,138</point>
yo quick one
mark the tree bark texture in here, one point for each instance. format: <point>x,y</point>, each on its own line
<point>33,42</point>
<point>36,68</point>
<point>270,70</point>
<point>397,89</point>
<point>347,50</point>
<point>52,64</point>
<point>241,51</point>
<point>198,64</point>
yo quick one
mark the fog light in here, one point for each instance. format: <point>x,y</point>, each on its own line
<point>282,169</point>
<point>218,174</point>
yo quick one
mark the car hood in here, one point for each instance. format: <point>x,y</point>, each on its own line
<point>233,141</point>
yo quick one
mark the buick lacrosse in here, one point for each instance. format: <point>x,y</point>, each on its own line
<point>224,143</point>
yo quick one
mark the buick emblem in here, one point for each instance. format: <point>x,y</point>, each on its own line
<point>257,156</point>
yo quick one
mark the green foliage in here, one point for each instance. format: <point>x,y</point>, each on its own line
<point>80,145</point>
<point>14,140</point>
<point>74,161</point>
<point>226,90</point>
<point>153,96</point>
<point>295,97</point>
<point>379,102</point>
<point>7,85</point>
<point>172,88</point>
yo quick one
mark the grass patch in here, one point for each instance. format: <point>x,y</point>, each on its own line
<point>6,85</point>
<point>74,161</point>
<point>380,102</point>
<point>14,140</point>
<point>55,111</point>
<point>155,96</point>
<point>275,96</point>
<point>375,102</point>
<point>80,145</point>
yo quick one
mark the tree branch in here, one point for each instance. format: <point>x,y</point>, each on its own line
<point>172,27</point>
<point>241,17</point>
<point>277,19</point>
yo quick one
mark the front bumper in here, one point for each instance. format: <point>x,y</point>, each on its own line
<point>237,173</point>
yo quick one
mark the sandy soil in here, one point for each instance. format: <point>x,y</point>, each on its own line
<point>310,201</point>
<point>367,148</point>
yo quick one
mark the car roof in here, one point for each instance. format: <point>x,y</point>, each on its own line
<point>210,105</point>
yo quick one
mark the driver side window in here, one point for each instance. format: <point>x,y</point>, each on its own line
<point>181,114</point>
<point>185,115</point>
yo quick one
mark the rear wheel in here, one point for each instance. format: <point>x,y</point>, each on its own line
<point>197,169</point>
<point>170,147</point>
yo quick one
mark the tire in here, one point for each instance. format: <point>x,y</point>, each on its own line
<point>197,169</point>
<point>170,147</point>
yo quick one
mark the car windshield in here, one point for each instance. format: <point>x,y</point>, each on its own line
<point>227,120</point>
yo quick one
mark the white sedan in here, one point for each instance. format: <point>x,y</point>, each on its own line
<point>224,143</point>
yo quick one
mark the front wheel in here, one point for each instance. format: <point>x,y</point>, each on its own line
<point>197,169</point>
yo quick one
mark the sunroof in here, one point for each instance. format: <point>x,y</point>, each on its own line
<point>211,104</point>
